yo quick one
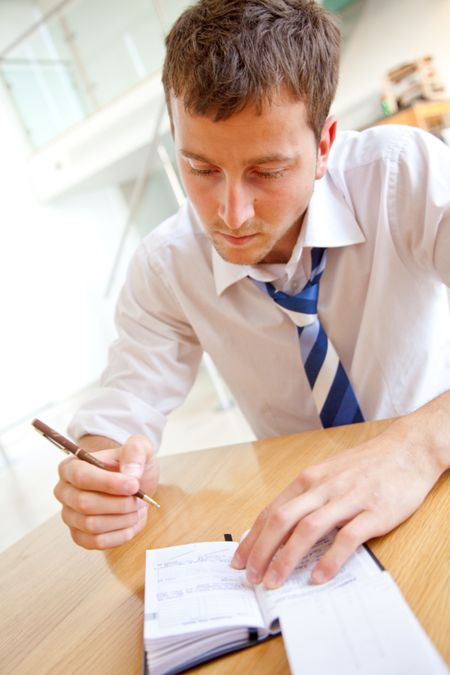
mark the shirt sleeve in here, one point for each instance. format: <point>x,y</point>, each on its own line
<point>419,203</point>
<point>151,366</point>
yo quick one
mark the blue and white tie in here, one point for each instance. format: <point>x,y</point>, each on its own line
<point>331,389</point>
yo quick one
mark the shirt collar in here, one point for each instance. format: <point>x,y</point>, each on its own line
<point>329,223</point>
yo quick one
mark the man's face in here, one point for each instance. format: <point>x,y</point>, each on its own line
<point>250,177</point>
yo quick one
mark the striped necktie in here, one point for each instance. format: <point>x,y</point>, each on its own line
<point>331,389</point>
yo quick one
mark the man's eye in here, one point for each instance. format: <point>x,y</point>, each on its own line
<point>200,172</point>
<point>270,174</point>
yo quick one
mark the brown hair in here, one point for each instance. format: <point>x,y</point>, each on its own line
<point>223,54</point>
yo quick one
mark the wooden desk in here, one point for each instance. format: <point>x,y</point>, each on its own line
<point>67,610</point>
<point>428,115</point>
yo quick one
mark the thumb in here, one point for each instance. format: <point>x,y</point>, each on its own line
<point>134,455</point>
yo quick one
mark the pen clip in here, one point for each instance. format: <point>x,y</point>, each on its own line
<point>52,440</point>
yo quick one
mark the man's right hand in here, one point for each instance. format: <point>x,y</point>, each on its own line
<point>98,506</point>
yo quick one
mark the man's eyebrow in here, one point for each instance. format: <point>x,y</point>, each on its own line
<point>193,155</point>
<point>268,159</point>
<point>264,159</point>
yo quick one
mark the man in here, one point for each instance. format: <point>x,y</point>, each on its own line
<point>273,195</point>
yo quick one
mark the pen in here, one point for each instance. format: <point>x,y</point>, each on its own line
<point>72,449</point>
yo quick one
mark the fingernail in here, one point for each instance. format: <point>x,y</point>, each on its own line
<point>133,470</point>
<point>317,577</point>
<point>236,562</point>
<point>271,580</point>
<point>142,513</point>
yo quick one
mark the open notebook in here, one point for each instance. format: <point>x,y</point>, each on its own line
<point>197,607</point>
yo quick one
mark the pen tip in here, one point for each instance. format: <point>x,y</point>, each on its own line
<point>149,500</point>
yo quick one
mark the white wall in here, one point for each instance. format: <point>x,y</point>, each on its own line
<point>54,265</point>
<point>388,33</point>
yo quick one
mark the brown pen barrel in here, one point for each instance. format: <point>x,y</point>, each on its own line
<point>58,438</point>
<point>70,446</point>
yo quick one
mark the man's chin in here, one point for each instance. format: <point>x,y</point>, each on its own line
<point>239,257</point>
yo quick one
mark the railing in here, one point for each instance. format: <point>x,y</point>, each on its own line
<point>79,57</point>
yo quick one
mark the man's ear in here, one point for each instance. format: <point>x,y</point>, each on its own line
<point>326,141</point>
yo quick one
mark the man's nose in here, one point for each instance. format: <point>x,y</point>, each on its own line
<point>236,206</point>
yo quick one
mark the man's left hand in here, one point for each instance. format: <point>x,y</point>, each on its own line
<point>365,492</point>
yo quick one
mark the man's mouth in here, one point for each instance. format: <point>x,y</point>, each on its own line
<point>239,240</point>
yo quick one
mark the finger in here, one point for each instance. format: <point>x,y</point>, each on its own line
<point>135,454</point>
<point>97,524</point>
<point>93,503</point>
<point>108,457</point>
<point>108,540</point>
<point>279,522</point>
<point>283,541</point>
<point>361,528</point>
<point>305,535</point>
<point>298,487</point>
<point>85,476</point>
<point>239,559</point>
<point>243,551</point>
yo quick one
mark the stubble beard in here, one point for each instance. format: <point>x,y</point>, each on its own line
<point>242,256</point>
<point>258,251</point>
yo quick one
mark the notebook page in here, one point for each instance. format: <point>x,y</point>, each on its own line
<point>359,565</point>
<point>365,628</point>
<point>192,588</point>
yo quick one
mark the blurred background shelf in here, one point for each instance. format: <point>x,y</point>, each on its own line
<point>429,115</point>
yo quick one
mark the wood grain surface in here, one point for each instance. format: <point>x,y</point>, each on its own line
<point>67,610</point>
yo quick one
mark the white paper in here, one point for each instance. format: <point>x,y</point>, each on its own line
<point>363,628</point>
<point>358,566</point>
<point>192,588</point>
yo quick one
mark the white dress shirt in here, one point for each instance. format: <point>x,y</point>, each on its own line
<point>383,213</point>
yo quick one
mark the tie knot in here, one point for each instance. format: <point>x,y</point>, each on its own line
<point>302,307</point>
<point>304,302</point>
